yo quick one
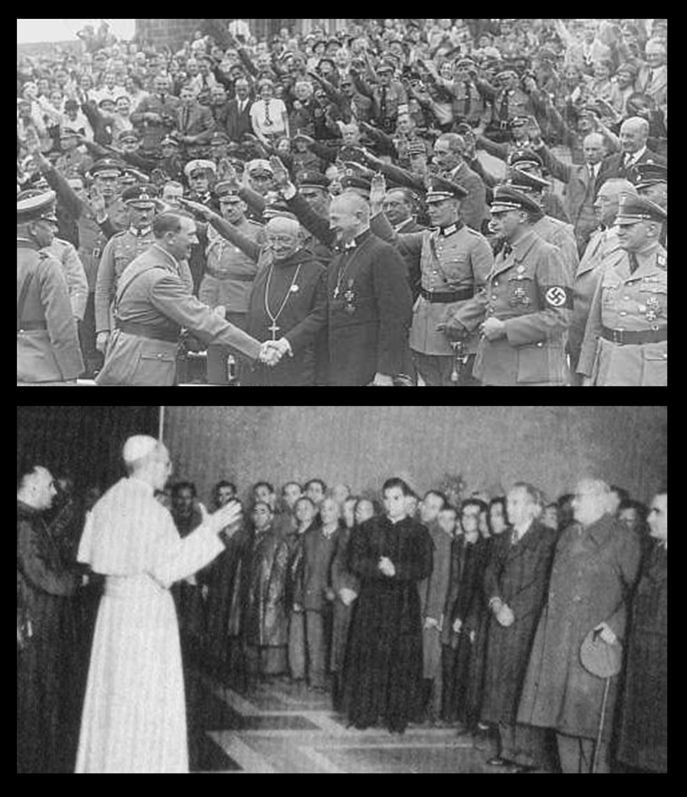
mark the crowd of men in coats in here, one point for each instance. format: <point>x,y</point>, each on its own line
<point>497,618</point>
<point>320,211</point>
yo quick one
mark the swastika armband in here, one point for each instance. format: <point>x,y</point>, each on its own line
<point>558,296</point>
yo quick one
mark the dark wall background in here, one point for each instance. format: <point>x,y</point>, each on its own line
<point>82,442</point>
<point>491,446</point>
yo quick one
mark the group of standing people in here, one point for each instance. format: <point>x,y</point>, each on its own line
<point>463,614</point>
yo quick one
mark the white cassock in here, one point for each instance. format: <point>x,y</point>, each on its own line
<point>134,717</point>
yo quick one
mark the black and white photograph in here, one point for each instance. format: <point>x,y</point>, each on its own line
<point>342,202</point>
<point>342,589</point>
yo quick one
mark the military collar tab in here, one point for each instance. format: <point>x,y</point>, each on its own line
<point>448,230</point>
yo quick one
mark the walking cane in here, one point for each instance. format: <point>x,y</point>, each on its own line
<point>604,661</point>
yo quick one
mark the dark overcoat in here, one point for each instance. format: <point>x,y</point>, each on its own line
<point>518,574</point>
<point>594,571</point>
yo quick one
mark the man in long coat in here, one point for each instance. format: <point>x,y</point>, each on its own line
<point>515,585</point>
<point>383,669</point>
<point>43,586</point>
<point>594,570</point>
<point>643,741</point>
<point>134,717</point>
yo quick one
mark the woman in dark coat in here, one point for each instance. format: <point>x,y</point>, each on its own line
<point>383,667</point>
<point>643,741</point>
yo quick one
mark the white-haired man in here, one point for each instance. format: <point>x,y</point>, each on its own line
<point>134,717</point>
<point>634,134</point>
<point>594,570</point>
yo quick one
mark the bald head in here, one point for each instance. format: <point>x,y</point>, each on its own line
<point>591,501</point>
<point>349,215</point>
<point>594,148</point>
<point>608,197</point>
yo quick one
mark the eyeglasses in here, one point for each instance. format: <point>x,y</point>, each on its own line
<point>280,239</point>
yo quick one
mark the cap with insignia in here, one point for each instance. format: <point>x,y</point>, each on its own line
<point>128,135</point>
<point>140,196</point>
<point>525,181</point>
<point>439,189</point>
<point>645,174</point>
<point>312,180</point>
<point>170,141</point>
<point>278,208</point>
<point>352,181</point>
<point>35,205</point>
<point>525,156</point>
<point>199,167</point>
<point>632,209</point>
<point>225,189</point>
<point>508,198</point>
<point>519,121</point>
<point>259,166</point>
<point>106,167</point>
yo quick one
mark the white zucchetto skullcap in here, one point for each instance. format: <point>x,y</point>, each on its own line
<point>138,447</point>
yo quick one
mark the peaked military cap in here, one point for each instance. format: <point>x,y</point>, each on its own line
<point>439,189</point>
<point>506,197</point>
<point>312,179</point>
<point>525,156</point>
<point>140,196</point>
<point>351,181</point>
<point>524,181</point>
<point>633,208</point>
<point>33,206</point>
<point>644,174</point>
<point>106,167</point>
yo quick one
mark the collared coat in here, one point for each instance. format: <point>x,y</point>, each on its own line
<point>518,574</point>
<point>473,209</point>
<point>452,259</point>
<point>561,235</point>
<point>342,578</point>
<point>594,572</point>
<point>369,333</point>
<point>319,551</point>
<point>74,273</point>
<point>151,293</point>
<point>433,594</point>
<point>602,244</point>
<point>636,302</point>
<point>529,290</point>
<point>50,354</point>
<point>643,740</point>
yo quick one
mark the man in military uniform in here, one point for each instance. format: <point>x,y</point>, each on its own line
<point>448,154</point>
<point>509,102</point>
<point>47,341</point>
<point>156,114</point>
<point>229,274</point>
<point>602,244</point>
<point>200,174</point>
<point>455,261</point>
<point>551,230</point>
<point>153,304</point>
<point>97,220</point>
<point>120,250</point>
<point>626,341</point>
<point>651,180</point>
<point>524,310</point>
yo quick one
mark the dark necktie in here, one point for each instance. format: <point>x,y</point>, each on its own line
<point>184,122</point>
<point>382,103</point>
<point>634,265</point>
<point>468,98</point>
<point>268,121</point>
<point>507,249</point>
<point>503,113</point>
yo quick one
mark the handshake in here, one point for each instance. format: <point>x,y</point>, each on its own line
<point>271,351</point>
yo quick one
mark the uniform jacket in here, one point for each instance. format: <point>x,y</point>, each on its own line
<point>433,591</point>
<point>594,571</point>
<point>370,315</point>
<point>451,259</point>
<point>229,273</point>
<point>562,236</point>
<point>152,293</point>
<point>154,132</point>
<point>195,120</point>
<point>51,354</point>
<point>518,574</point>
<point>636,302</point>
<point>74,274</point>
<point>528,289</point>
<point>473,208</point>
<point>602,244</point>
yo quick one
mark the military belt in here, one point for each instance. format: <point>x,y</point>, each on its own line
<point>223,275</point>
<point>143,331</point>
<point>623,337</point>
<point>27,326</point>
<point>453,296</point>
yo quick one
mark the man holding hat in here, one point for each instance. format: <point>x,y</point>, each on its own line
<point>47,341</point>
<point>594,570</point>
<point>524,310</point>
<point>626,341</point>
<point>455,261</point>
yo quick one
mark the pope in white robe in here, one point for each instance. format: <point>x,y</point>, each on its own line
<point>134,717</point>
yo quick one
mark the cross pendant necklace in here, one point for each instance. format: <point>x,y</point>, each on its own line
<point>273,318</point>
<point>274,329</point>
